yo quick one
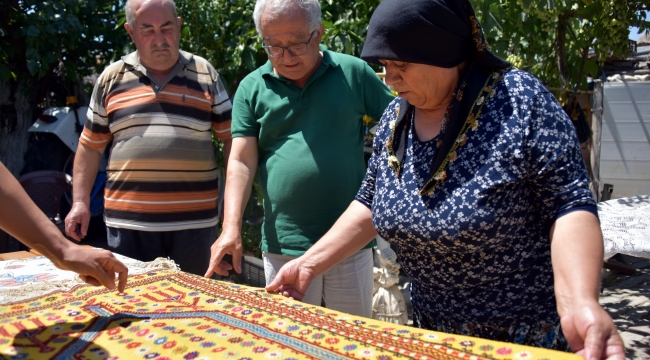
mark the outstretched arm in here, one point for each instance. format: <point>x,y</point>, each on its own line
<point>242,165</point>
<point>352,231</point>
<point>21,218</point>
<point>577,255</point>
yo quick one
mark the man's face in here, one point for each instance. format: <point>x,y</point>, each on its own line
<point>155,33</point>
<point>286,30</point>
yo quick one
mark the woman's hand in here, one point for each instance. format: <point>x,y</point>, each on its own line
<point>351,232</point>
<point>95,266</point>
<point>577,255</point>
<point>591,332</point>
<point>292,280</point>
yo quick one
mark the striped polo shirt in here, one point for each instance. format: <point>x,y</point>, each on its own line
<point>162,174</point>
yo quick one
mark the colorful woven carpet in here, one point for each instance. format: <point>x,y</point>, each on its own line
<point>172,315</point>
<point>22,279</point>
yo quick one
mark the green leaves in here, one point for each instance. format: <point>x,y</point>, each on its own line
<point>5,73</point>
<point>223,32</point>
<point>528,29</point>
<point>33,66</point>
<point>591,68</point>
<point>32,31</point>
<point>120,23</point>
<point>62,39</point>
<point>346,24</point>
<point>248,56</point>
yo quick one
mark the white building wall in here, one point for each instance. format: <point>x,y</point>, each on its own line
<point>625,141</point>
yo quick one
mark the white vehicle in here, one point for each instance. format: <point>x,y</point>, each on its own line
<point>56,136</point>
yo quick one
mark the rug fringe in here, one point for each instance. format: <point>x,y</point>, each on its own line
<point>43,288</point>
<point>158,264</point>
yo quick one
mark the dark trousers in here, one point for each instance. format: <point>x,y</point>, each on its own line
<point>190,249</point>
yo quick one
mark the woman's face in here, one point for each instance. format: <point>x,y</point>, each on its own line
<point>424,86</point>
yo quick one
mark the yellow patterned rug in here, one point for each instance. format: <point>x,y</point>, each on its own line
<point>172,315</point>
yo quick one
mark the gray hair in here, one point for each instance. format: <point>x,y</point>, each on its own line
<point>130,16</point>
<point>275,8</point>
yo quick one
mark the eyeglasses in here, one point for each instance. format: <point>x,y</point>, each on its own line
<point>295,49</point>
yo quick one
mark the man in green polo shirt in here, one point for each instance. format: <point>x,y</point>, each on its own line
<point>298,118</point>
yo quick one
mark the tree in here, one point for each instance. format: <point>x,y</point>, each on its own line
<point>45,41</point>
<point>224,33</point>
<point>552,38</point>
<point>346,24</point>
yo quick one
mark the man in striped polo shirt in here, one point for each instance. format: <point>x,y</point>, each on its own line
<point>159,106</point>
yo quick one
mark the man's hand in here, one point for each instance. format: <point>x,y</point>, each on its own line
<point>229,242</point>
<point>591,332</point>
<point>292,280</point>
<point>76,223</point>
<point>95,266</point>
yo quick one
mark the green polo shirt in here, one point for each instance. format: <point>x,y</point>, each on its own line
<point>310,143</point>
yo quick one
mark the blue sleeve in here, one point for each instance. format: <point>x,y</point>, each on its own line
<point>556,170</point>
<point>366,193</point>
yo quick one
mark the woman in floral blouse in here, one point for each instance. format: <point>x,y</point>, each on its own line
<point>477,180</point>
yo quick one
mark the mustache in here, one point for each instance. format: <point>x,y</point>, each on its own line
<point>164,46</point>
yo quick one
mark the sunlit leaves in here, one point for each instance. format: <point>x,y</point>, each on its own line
<point>73,38</point>
<point>346,24</point>
<point>527,32</point>
<point>224,33</point>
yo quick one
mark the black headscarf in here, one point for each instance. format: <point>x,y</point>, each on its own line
<point>441,33</point>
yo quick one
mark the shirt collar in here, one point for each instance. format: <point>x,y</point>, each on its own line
<point>133,60</point>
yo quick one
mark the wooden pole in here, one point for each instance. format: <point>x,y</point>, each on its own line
<point>596,130</point>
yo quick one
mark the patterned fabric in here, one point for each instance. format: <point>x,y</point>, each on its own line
<point>165,315</point>
<point>540,335</point>
<point>478,248</point>
<point>26,278</point>
<point>465,107</point>
<point>162,174</point>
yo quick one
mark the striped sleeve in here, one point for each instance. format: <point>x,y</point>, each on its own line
<point>96,133</point>
<point>221,109</point>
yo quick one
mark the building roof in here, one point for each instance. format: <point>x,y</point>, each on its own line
<point>637,63</point>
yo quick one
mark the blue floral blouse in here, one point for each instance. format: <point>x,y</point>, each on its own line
<point>478,250</point>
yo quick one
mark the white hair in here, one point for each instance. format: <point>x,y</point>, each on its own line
<point>130,16</point>
<point>274,8</point>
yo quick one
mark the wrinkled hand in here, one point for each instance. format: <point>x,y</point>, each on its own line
<point>95,266</point>
<point>591,332</point>
<point>292,280</point>
<point>76,223</point>
<point>229,242</point>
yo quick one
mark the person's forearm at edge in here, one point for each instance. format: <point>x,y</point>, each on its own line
<point>577,253</point>
<point>242,165</point>
<point>577,257</point>
<point>21,218</point>
<point>86,165</point>
<point>350,233</point>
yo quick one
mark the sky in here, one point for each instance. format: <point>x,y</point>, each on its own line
<point>634,33</point>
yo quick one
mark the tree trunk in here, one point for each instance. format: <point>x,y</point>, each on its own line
<point>563,67</point>
<point>16,116</point>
